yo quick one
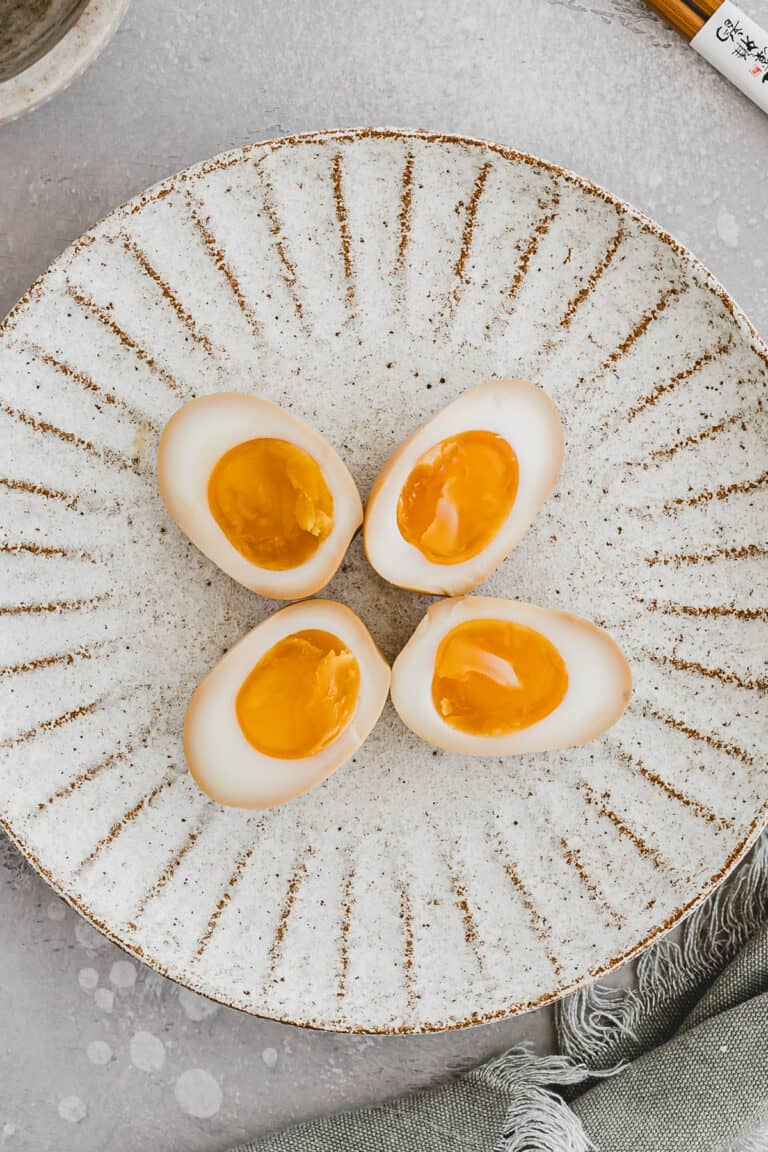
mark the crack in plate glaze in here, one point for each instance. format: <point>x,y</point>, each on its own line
<point>364,279</point>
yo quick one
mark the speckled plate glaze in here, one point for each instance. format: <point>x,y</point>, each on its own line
<point>363,279</point>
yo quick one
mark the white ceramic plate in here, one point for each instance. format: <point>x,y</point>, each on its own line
<point>364,279</point>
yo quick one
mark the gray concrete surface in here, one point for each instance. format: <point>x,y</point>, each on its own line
<point>96,1053</point>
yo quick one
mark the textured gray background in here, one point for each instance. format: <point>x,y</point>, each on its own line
<point>95,1051</point>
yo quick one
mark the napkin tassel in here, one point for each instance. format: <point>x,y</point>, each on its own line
<point>537,1119</point>
<point>598,1017</point>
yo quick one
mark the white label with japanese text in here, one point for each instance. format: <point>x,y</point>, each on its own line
<point>737,47</point>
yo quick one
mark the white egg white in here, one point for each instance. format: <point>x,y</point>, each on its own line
<point>221,760</point>
<point>195,439</point>
<point>599,679</point>
<point>517,411</point>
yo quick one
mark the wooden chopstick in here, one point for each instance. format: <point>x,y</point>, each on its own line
<point>727,38</point>
<point>709,7</point>
<point>686,16</point>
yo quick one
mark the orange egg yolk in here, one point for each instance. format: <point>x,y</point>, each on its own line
<point>458,495</point>
<point>493,677</point>
<point>271,501</point>
<point>300,696</point>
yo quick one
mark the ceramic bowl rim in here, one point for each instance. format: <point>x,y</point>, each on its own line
<point>64,62</point>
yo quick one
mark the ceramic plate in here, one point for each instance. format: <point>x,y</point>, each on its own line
<point>363,279</point>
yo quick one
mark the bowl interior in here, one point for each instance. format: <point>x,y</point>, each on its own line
<point>31,28</point>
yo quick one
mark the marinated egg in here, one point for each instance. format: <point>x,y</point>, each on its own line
<point>259,492</point>
<point>286,706</point>
<point>490,677</point>
<point>456,497</point>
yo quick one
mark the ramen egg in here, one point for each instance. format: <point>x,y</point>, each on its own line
<point>259,492</point>
<point>286,706</point>
<point>456,496</point>
<point>484,677</point>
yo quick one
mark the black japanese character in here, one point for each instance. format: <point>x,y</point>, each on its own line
<point>729,30</point>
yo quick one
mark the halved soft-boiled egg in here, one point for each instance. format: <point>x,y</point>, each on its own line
<point>286,706</point>
<point>456,496</point>
<point>490,677</point>
<point>259,492</point>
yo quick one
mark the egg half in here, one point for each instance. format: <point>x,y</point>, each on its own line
<point>490,677</point>
<point>259,492</point>
<point>286,706</point>
<point>456,496</point>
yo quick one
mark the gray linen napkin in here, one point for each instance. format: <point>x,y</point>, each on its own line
<point>678,1064</point>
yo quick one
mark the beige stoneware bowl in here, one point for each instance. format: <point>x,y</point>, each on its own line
<point>46,44</point>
